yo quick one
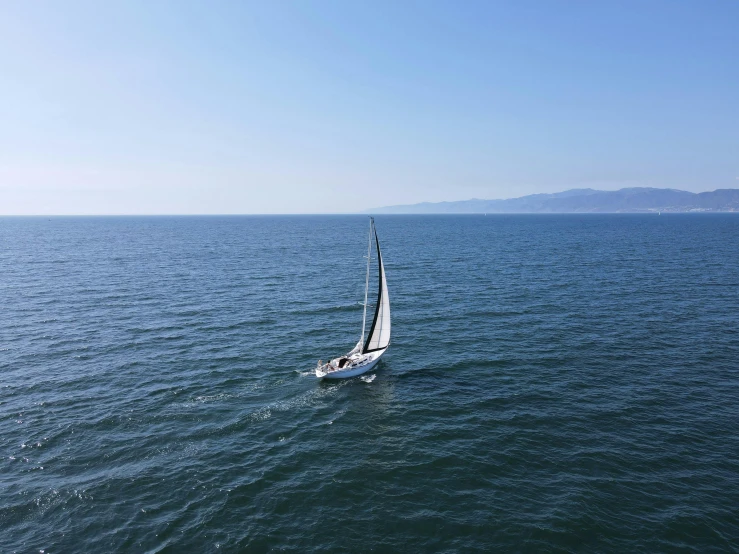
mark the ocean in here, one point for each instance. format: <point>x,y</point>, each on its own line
<point>555,383</point>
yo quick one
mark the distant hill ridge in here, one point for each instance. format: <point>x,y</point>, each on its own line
<point>627,200</point>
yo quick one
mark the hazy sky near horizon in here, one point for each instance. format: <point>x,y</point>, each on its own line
<point>302,107</point>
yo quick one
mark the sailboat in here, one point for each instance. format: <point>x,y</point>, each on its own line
<point>365,355</point>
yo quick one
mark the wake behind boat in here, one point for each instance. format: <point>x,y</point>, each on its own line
<point>365,355</point>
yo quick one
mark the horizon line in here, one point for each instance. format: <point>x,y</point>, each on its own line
<point>370,214</point>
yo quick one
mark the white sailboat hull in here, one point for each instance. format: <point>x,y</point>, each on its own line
<point>353,371</point>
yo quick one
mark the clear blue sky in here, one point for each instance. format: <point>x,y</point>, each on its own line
<point>304,107</point>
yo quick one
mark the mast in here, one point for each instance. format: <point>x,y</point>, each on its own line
<point>366,281</point>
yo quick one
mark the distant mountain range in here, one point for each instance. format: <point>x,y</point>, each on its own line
<point>628,200</point>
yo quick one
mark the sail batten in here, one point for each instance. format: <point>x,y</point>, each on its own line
<point>378,337</point>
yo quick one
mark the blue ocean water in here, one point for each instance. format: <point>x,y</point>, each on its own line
<point>564,383</point>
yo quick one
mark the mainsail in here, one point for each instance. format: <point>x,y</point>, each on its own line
<point>379,333</point>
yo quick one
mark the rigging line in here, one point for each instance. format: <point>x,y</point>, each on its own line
<point>366,281</point>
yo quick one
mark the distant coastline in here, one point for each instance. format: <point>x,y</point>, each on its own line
<point>627,200</point>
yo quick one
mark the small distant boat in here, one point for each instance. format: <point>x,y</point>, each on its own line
<point>365,355</point>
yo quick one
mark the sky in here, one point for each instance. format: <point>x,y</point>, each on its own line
<point>218,107</point>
